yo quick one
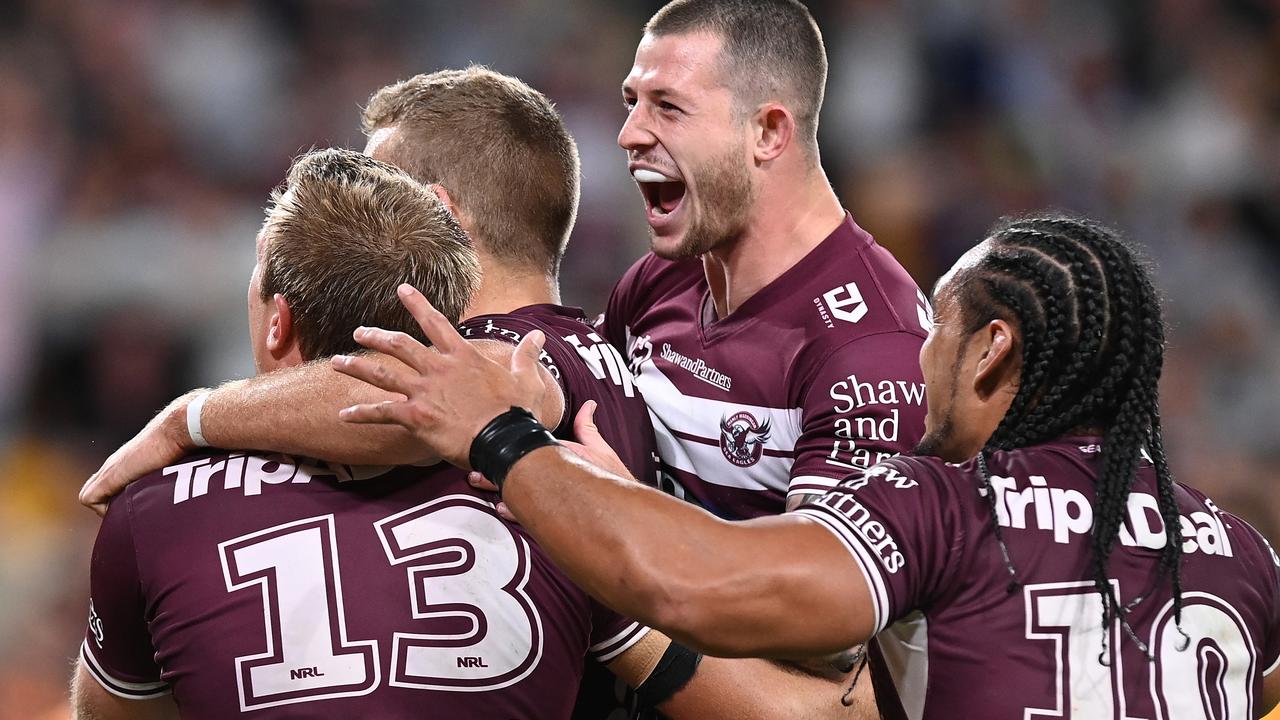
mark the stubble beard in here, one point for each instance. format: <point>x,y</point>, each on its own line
<point>726,197</point>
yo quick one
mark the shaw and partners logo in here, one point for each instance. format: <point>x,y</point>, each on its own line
<point>698,367</point>
<point>742,438</point>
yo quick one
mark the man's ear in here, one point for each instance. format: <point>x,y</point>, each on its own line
<point>281,337</point>
<point>443,193</point>
<point>775,129</point>
<point>445,198</point>
<point>1000,362</point>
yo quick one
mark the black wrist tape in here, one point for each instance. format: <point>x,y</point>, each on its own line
<point>674,670</point>
<point>507,438</point>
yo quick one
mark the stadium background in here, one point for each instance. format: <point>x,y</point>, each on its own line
<point>138,140</point>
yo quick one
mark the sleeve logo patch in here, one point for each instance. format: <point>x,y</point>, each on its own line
<point>95,625</point>
<point>844,303</point>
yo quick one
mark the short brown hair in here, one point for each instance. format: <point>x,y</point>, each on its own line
<point>342,234</point>
<point>772,49</point>
<point>501,150</point>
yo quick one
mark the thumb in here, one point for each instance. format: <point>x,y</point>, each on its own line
<point>525,359</point>
<point>584,426</point>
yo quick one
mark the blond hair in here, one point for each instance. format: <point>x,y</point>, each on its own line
<point>501,150</point>
<point>342,234</point>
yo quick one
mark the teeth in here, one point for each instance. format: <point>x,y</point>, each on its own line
<point>642,175</point>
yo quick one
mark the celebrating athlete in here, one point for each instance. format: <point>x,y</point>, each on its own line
<point>475,135</point>
<point>773,339</point>
<point>1036,559</point>
<point>241,582</point>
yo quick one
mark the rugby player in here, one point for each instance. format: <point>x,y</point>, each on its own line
<point>475,135</point>
<point>773,339</point>
<point>245,582</point>
<point>1035,559</point>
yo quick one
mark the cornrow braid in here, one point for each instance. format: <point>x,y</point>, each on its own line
<point>1092,353</point>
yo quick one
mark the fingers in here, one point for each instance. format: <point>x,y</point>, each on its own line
<point>584,424</point>
<point>378,374</point>
<point>480,482</point>
<point>92,497</point>
<point>439,330</point>
<point>387,412</point>
<point>398,345</point>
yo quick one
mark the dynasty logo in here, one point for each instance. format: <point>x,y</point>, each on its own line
<point>742,438</point>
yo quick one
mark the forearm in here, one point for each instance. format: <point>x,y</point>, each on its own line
<point>730,589</point>
<point>753,689</point>
<point>295,411</point>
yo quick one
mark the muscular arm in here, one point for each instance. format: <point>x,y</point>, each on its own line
<point>743,688</point>
<point>770,587</point>
<point>90,701</point>
<point>294,411</point>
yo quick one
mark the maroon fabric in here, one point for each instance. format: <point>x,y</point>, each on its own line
<point>588,368</point>
<point>359,570</point>
<point>815,375</point>
<point>376,598</point>
<point>957,641</point>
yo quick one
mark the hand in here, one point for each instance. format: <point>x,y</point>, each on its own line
<point>592,448</point>
<point>451,390</point>
<point>162,442</point>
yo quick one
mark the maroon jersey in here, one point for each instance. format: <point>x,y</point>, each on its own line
<point>956,640</point>
<point>587,368</point>
<point>815,375</point>
<point>266,585</point>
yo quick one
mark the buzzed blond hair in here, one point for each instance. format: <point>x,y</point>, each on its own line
<point>343,233</point>
<point>501,150</point>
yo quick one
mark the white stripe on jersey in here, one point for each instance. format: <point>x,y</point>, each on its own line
<point>836,524</point>
<point>708,464</point>
<point>117,687</point>
<point>811,485</point>
<point>674,412</point>
<point>694,415</point>
<point>606,650</point>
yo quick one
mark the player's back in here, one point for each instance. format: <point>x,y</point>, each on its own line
<point>960,636</point>
<point>266,584</point>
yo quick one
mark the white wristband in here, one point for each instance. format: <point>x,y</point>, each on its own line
<point>193,419</point>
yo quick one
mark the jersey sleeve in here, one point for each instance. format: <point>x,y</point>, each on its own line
<point>117,649</point>
<point>902,529</point>
<point>864,403</point>
<point>612,634</point>
<point>1270,570</point>
<point>623,305</point>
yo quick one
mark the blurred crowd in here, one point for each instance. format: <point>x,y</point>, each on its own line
<point>139,140</point>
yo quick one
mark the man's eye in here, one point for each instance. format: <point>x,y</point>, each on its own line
<point>668,107</point>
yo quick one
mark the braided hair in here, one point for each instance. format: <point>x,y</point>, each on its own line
<point>1092,352</point>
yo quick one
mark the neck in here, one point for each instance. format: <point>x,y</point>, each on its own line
<point>787,224</point>
<point>503,290</point>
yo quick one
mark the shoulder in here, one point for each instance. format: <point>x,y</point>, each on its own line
<point>862,290</point>
<point>651,278</point>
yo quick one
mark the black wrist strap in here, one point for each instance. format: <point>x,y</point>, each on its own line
<point>674,670</point>
<point>507,438</point>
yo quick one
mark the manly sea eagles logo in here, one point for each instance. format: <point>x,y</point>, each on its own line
<point>742,438</point>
